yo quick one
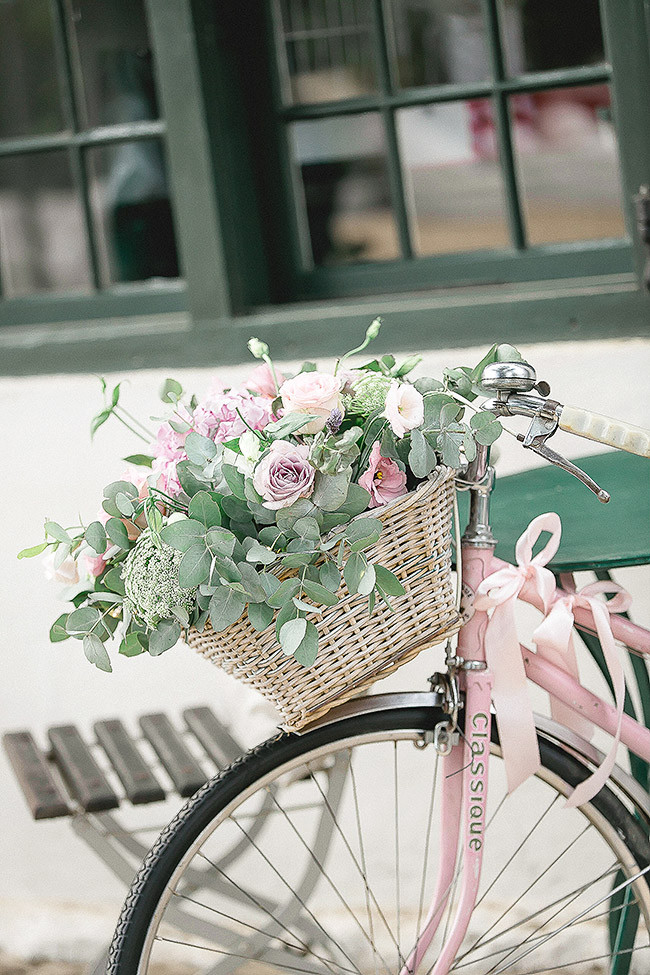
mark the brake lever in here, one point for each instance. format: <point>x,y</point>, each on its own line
<point>544,420</point>
<point>566,465</point>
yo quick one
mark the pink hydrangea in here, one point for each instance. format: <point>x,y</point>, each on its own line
<point>218,416</point>
<point>383,479</point>
<point>168,450</point>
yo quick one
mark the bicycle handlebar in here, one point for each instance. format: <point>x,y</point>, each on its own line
<point>603,429</point>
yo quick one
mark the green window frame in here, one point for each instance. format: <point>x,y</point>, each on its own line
<point>241,273</point>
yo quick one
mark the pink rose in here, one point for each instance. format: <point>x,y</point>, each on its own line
<point>383,479</point>
<point>404,408</point>
<point>261,381</point>
<point>312,392</point>
<point>283,475</point>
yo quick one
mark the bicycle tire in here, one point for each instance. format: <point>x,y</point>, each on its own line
<point>609,820</point>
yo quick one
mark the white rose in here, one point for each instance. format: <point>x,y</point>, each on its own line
<point>312,392</point>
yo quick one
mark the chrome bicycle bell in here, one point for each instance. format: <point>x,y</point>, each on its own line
<point>508,377</point>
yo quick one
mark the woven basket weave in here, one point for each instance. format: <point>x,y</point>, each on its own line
<point>355,650</point>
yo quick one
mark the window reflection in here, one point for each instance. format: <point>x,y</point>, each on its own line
<point>545,35</point>
<point>343,168</point>
<point>29,91</point>
<point>42,237</point>
<point>133,212</point>
<point>453,177</point>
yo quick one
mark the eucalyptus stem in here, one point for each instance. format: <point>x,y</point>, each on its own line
<point>371,333</point>
<point>129,427</point>
<point>135,420</point>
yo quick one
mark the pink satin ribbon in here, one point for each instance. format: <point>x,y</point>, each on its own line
<point>499,592</point>
<point>554,639</point>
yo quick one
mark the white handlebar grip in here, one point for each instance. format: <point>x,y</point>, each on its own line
<point>614,433</point>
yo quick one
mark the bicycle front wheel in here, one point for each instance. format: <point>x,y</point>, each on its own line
<point>317,854</point>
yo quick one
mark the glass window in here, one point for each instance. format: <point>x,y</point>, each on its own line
<point>342,167</point>
<point>30,102</point>
<point>567,156</point>
<point>439,43</point>
<point>545,35</point>
<point>113,60</point>
<point>130,200</point>
<point>42,236</point>
<point>450,158</point>
<point>326,49</point>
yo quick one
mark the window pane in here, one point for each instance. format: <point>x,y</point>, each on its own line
<point>568,165</point>
<point>327,49</point>
<point>439,43</point>
<point>542,35</point>
<point>342,162</point>
<point>114,76</point>
<point>130,199</point>
<point>42,238</point>
<point>29,100</point>
<point>453,177</point>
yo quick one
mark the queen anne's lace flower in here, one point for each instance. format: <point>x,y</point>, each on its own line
<point>150,576</point>
<point>370,393</point>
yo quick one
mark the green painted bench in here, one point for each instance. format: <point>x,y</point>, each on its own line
<point>595,536</point>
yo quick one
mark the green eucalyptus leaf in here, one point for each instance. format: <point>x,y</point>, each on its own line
<point>356,501</point>
<point>199,449</point>
<point>260,615</point>
<point>117,532</point>
<point>258,553</point>
<point>297,559</point>
<point>292,634</point>
<point>307,650</point>
<point>330,576</point>
<point>288,612</point>
<point>427,385</point>
<point>166,635</point>
<point>508,353</point>
<point>449,445</point>
<point>235,508</point>
<point>29,553</point>
<point>58,631</point>
<point>183,534</point>
<point>270,582</point>
<point>204,509</point>
<point>319,594</point>
<point>139,460</point>
<point>285,591</point>
<point>307,528</point>
<point>388,582</point>
<point>170,391</point>
<point>363,530</point>
<point>131,645</point>
<point>287,517</point>
<point>96,652</point>
<point>188,479</point>
<point>358,573</point>
<point>220,541</point>
<point>153,516</point>
<point>251,582</point>
<point>124,504</point>
<point>288,424</point>
<point>120,487</point>
<point>113,580</point>
<point>181,614</point>
<point>306,607</point>
<point>332,519</point>
<point>82,621</point>
<point>54,530</point>
<point>331,492</point>
<point>226,606</point>
<point>371,602</point>
<point>194,567</point>
<point>422,458</point>
<point>469,447</point>
<point>235,481</point>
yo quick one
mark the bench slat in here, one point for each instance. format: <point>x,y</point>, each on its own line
<point>140,784</point>
<point>215,739</point>
<point>81,772</point>
<point>44,797</point>
<point>181,766</point>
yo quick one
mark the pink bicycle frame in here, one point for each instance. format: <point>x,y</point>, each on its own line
<point>465,774</point>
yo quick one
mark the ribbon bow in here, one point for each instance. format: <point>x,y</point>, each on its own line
<point>554,639</point>
<point>499,592</point>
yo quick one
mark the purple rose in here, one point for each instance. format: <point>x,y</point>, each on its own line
<point>283,475</point>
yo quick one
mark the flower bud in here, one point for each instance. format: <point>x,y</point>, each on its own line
<point>257,348</point>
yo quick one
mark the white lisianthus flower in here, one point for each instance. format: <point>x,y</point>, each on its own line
<point>404,408</point>
<point>250,448</point>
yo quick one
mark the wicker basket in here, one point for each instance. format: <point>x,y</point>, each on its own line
<point>355,650</point>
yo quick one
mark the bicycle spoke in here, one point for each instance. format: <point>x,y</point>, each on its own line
<point>568,924</point>
<point>291,890</point>
<point>400,959</point>
<point>235,954</point>
<point>362,853</point>
<point>333,886</point>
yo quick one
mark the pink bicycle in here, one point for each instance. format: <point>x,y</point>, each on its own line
<point>412,832</point>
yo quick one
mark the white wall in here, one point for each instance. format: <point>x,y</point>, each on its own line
<point>55,896</point>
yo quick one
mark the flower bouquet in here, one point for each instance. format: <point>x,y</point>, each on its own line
<point>295,511</point>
